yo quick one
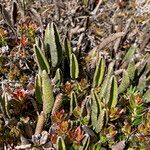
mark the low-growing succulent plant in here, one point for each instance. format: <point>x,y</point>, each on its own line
<point>104,93</point>
<point>78,101</point>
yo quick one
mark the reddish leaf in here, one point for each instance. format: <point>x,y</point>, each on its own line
<point>20,95</point>
<point>63,127</point>
<point>24,40</point>
<point>58,117</point>
<point>78,134</point>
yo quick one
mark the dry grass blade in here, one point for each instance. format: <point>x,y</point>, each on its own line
<point>27,146</point>
<point>97,7</point>
<point>35,15</point>
<point>110,39</point>
<point>119,40</point>
<point>7,17</point>
<point>119,146</point>
<point>145,42</point>
<point>57,10</point>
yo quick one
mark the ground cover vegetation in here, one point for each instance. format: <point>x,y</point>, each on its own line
<point>75,74</point>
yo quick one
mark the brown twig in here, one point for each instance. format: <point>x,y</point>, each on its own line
<point>118,41</point>
<point>145,42</point>
<point>96,8</point>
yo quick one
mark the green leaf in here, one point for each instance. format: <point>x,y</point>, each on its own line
<point>95,108</point>
<point>132,104</point>
<point>139,111</point>
<point>74,67</point>
<point>58,77</point>
<point>68,49</point>
<point>124,83</point>
<point>142,70</point>
<point>39,43</point>
<point>113,92</point>
<point>48,38</point>
<point>137,121</point>
<point>83,107</point>
<point>85,2</point>
<point>41,59</point>
<point>38,89</point>
<point>131,70</point>
<point>53,44</point>
<point>99,72</point>
<point>86,107</point>
<point>60,144</point>
<point>100,121</point>
<point>146,96</point>
<point>97,146</point>
<point>130,53</point>
<point>85,114</point>
<point>73,102</point>
<point>85,120</point>
<point>48,98</point>
<point>142,83</point>
<point>104,89</point>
